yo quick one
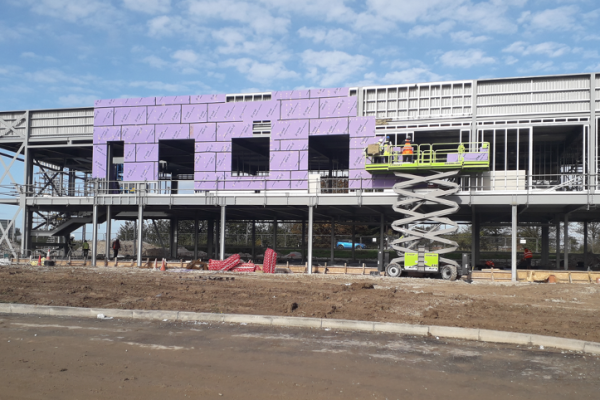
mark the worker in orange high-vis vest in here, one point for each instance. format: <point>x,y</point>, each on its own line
<point>527,256</point>
<point>407,151</point>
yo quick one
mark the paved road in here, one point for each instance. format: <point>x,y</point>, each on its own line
<point>71,358</point>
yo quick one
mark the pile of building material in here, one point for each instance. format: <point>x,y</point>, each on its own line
<point>270,261</point>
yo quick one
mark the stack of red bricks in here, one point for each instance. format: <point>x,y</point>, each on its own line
<point>270,261</point>
<point>233,264</point>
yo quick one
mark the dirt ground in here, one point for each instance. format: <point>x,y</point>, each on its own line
<point>564,310</point>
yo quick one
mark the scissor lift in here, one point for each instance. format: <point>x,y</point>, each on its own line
<point>428,177</point>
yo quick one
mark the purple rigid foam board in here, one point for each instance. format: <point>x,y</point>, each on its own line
<point>299,180</point>
<point>303,160</point>
<point>337,107</point>
<point>169,100</point>
<point>300,109</point>
<point>229,130</point>
<point>194,113</point>
<point>205,162</point>
<point>203,132</point>
<point>105,134</point>
<point>279,180</point>
<point>223,162</point>
<point>129,153</point>
<point>208,147</point>
<point>130,115</point>
<point>292,145</point>
<point>362,126</point>
<point>363,142</point>
<point>259,111</point>
<point>357,178</point>
<point>104,116</point>
<point>132,102</point>
<point>225,112</point>
<point>291,95</point>
<point>274,145</point>
<point>331,92</point>
<point>240,183</point>
<point>357,159</point>
<point>138,134</point>
<point>99,161</point>
<point>146,152</point>
<point>172,132</point>
<point>283,161</point>
<point>164,114</point>
<point>133,172</point>
<point>208,98</point>
<point>328,126</point>
<point>289,129</point>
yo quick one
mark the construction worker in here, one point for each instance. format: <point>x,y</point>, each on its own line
<point>527,256</point>
<point>86,249</point>
<point>407,151</point>
<point>387,150</point>
<point>461,151</point>
<point>116,246</point>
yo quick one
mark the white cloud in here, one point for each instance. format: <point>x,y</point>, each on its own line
<point>239,41</point>
<point>335,38</point>
<point>435,30</point>
<point>561,18</point>
<point>410,75</point>
<point>465,58</point>
<point>166,26</point>
<point>148,6</point>
<point>330,68</point>
<point>155,62</point>
<point>467,37</point>
<point>537,67</point>
<point>550,49</point>
<point>76,100</point>
<point>261,72</point>
<point>160,86</point>
<point>90,12</point>
<point>31,55</point>
<point>510,60</point>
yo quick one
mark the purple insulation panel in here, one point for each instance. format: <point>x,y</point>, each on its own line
<point>133,102</point>
<point>133,172</point>
<point>104,116</point>
<point>208,98</point>
<point>205,162</point>
<point>329,126</point>
<point>357,178</point>
<point>206,180</point>
<point>99,162</point>
<point>130,115</point>
<point>362,126</point>
<point>337,107</point>
<point>283,161</point>
<point>332,92</point>
<point>274,145</point>
<point>172,132</point>
<point>300,109</point>
<point>129,153</point>
<point>291,145</point>
<point>203,132</point>
<point>164,115</point>
<point>168,100</point>
<point>107,134</point>
<point>303,160</point>
<point>357,159</point>
<point>194,113</point>
<point>382,181</point>
<point>363,142</point>
<point>229,130</point>
<point>279,180</point>
<point>219,147</point>
<point>225,112</point>
<point>243,183</point>
<point>138,134</point>
<point>259,111</point>
<point>289,129</point>
<point>299,180</point>
<point>146,152</point>
<point>223,162</point>
<point>291,95</point>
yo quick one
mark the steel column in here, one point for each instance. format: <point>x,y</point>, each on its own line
<point>173,239</point>
<point>310,238</point>
<point>557,242</point>
<point>222,237</point>
<point>94,233</point>
<point>303,241</point>
<point>275,224</point>
<point>140,232</point>
<point>196,227</point>
<point>210,239</point>
<point>108,231</point>
<point>566,241</point>
<point>353,240</point>
<point>332,249</point>
<point>545,245</point>
<point>585,242</point>
<point>380,258</point>
<point>513,233</point>
<point>475,236</point>
<point>253,239</point>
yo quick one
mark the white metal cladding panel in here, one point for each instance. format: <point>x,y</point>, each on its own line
<point>62,130</point>
<point>561,83</point>
<point>534,97</point>
<point>598,80</point>
<point>504,86</point>
<point>535,108</point>
<point>534,84</point>
<point>86,121</point>
<point>62,114</point>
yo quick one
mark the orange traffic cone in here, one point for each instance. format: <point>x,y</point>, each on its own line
<point>48,256</point>
<point>163,267</point>
<point>40,260</point>
<point>155,264</point>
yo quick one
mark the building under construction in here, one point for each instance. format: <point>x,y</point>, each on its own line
<point>517,151</point>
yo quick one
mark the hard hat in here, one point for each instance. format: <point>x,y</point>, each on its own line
<point>381,140</point>
<point>387,138</point>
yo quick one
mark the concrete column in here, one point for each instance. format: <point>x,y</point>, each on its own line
<point>108,231</point>
<point>566,241</point>
<point>210,236</point>
<point>380,265</point>
<point>254,239</point>
<point>94,234</point>
<point>173,239</point>
<point>303,241</point>
<point>513,232</point>
<point>545,246</point>
<point>196,228</point>
<point>140,234</point>
<point>353,239</point>
<point>222,238</point>
<point>310,238</point>
<point>475,236</point>
<point>585,243</point>
<point>557,222</point>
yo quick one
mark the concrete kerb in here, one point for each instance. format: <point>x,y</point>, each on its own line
<point>482,335</point>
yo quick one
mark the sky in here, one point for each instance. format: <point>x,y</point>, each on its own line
<point>67,53</point>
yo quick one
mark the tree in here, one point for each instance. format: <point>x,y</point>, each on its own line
<point>593,229</point>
